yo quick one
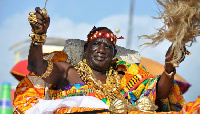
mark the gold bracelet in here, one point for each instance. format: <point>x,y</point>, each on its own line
<point>169,75</point>
<point>38,39</point>
<point>48,71</point>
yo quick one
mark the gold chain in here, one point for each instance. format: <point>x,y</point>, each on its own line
<point>111,90</point>
<point>48,71</point>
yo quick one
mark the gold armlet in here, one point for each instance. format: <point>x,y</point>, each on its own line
<point>48,71</point>
<point>170,74</point>
<point>38,39</point>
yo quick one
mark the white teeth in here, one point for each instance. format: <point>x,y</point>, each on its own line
<point>100,58</point>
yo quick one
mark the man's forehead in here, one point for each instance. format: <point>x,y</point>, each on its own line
<point>103,40</point>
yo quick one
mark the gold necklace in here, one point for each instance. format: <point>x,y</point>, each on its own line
<point>111,90</point>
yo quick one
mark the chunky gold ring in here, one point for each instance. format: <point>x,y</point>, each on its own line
<point>32,19</point>
<point>32,13</point>
<point>44,12</point>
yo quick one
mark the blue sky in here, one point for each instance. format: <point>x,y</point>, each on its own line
<point>75,18</point>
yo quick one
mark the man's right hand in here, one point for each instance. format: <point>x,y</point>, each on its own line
<point>39,21</point>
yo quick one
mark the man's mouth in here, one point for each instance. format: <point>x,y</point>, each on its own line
<point>100,57</point>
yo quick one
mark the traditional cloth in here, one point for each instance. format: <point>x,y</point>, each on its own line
<point>137,82</point>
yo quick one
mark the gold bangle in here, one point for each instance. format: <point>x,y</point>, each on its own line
<point>48,71</point>
<point>169,74</point>
<point>38,39</point>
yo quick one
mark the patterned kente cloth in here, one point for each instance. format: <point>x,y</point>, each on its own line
<point>137,82</point>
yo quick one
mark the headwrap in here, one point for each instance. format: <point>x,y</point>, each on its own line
<point>108,35</point>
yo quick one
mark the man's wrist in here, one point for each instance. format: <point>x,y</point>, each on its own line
<point>38,39</point>
<point>169,68</point>
<point>171,74</point>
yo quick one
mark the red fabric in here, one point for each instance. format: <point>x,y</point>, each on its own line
<point>110,36</point>
<point>19,71</point>
<point>183,86</point>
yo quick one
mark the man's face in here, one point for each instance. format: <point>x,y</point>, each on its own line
<point>99,54</point>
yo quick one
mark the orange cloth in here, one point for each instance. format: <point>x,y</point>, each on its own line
<point>26,95</point>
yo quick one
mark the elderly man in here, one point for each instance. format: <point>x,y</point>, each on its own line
<point>100,72</point>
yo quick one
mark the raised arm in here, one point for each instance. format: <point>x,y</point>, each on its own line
<point>166,80</point>
<point>57,73</point>
<point>36,63</point>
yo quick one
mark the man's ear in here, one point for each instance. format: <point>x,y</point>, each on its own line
<point>85,48</point>
<point>115,52</point>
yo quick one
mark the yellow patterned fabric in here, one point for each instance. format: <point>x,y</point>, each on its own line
<point>78,109</point>
<point>74,90</point>
<point>27,93</point>
<point>138,82</point>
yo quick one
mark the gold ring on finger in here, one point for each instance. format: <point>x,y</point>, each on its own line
<point>32,13</point>
<point>32,20</point>
<point>44,12</point>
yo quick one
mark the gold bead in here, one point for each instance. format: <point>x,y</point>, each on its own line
<point>32,35</point>
<point>44,12</point>
<point>111,39</point>
<point>31,13</point>
<point>117,31</point>
<point>107,35</point>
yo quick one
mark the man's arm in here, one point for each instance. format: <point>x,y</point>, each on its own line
<point>167,77</point>
<point>165,82</point>
<point>62,73</point>
<point>36,63</point>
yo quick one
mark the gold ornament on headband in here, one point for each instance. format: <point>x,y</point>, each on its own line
<point>117,31</point>
<point>181,26</point>
<point>108,35</point>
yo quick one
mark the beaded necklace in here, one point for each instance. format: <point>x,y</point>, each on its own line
<point>111,90</point>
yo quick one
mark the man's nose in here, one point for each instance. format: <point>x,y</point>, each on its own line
<point>101,49</point>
